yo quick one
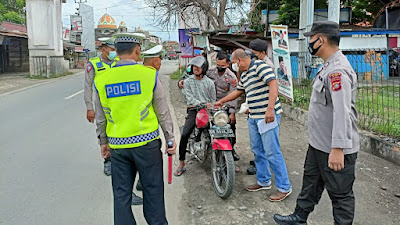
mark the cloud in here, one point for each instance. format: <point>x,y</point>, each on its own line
<point>135,13</point>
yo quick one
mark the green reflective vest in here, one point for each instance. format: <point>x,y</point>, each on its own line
<point>126,95</point>
<point>100,66</point>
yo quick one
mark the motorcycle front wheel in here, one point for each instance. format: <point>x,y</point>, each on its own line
<point>223,173</point>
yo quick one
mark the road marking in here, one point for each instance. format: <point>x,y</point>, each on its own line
<point>73,95</point>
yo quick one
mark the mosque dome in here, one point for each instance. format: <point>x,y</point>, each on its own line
<point>106,21</point>
<point>122,24</point>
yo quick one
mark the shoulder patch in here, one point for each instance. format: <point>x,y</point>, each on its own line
<point>89,67</point>
<point>336,81</point>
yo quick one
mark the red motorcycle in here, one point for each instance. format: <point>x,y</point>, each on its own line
<point>211,136</point>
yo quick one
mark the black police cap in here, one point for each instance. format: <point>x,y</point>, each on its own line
<point>258,45</point>
<point>323,27</point>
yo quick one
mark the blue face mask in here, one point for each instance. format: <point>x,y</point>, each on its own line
<point>112,55</point>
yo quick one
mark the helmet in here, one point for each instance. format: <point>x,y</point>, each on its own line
<point>201,62</point>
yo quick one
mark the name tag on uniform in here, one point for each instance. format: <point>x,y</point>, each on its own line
<point>123,89</point>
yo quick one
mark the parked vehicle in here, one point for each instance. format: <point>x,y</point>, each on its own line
<point>211,138</point>
<point>172,55</point>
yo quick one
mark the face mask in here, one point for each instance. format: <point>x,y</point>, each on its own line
<point>235,67</point>
<point>221,69</point>
<point>311,48</point>
<point>112,55</point>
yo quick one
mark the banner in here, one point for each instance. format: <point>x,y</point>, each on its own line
<point>281,59</point>
<point>185,42</point>
<point>66,34</point>
<point>76,24</point>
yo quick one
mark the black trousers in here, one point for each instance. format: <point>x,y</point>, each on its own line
<point>190,123</point>
<point>147,160</point>
<point>339,184</point>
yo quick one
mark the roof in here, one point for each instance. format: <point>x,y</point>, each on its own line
<point>107,21</point>
<point>13,30</point>
<point>232,41</point>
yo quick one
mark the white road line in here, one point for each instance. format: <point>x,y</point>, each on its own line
<point>73,95</point>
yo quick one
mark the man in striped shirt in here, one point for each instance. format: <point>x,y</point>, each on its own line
<point>259,83</point>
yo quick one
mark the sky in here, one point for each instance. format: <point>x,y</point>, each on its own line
<point>135,13</point>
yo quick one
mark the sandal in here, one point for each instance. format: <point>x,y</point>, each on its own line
<point>179,173</point>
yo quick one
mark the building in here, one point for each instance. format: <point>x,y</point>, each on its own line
<point>106,27</point>
<point>14,54</point>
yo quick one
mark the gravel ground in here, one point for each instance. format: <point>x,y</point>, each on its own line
<point>376,186</point>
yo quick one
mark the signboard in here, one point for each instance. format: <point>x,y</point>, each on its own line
<point>281,59</point>
<point>264,16</point>
<point>76,23</point>
<point>66,34</point>
<point>185,42</point>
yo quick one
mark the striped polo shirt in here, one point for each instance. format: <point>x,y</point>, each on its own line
<point>254,83</point>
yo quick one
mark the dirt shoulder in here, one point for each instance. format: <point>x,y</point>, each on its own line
<point>375,188</point>
<point>14,82</point>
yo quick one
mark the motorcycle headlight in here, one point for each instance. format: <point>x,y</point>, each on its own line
<point>221,118</point>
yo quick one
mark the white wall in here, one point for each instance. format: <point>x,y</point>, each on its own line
<point>350,43</point>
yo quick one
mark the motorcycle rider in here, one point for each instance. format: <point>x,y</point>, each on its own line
<point>199,89</point>
<point>225,82</point>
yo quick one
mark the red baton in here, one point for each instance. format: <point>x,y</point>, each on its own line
<point>170,145</point>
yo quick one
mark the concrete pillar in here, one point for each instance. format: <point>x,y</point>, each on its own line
<point>44,27</point>
<point>334,10</point>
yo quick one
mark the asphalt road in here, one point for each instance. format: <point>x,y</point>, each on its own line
<point>51,171</point>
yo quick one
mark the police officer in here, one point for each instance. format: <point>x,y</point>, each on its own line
<point>259,49</point>
<point>95,67</point>
<point>225,82</point>
<point>332,130</point>
<point>132,105</point>
<point>152,57</point>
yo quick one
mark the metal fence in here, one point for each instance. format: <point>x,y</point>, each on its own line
<point>378,99</point>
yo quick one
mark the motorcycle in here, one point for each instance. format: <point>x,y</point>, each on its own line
<point>211,136</point>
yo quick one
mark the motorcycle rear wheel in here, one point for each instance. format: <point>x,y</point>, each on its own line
<point>223,173</point>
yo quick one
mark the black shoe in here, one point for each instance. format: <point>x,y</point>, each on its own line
<point>139,186</point>
<point>236,157</point>
<point>251,170</point>
<point>107,167</point>
<point>136,200</point>
<point>292,219</point>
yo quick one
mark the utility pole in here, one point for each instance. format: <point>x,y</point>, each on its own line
<point>334,10</point>
<point>305,24</point>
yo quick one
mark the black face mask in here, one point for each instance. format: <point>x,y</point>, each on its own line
<point>221,69</point>
<point>311,48</point>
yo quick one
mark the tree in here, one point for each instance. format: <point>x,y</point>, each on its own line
<point>214,12</point>
<point>289,10</point>
<point>13,11</point>
<point>366,9</point>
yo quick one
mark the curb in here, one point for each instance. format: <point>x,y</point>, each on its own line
<point>39,84</point>
<point>369,142</point>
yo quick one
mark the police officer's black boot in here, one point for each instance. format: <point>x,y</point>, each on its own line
<point>136,200</point>
<point>107,166</point>
<point>252,169</point>
<point>292,219</point>
<point>236,157</point>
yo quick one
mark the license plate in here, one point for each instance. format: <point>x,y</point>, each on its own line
<point>222,133</point>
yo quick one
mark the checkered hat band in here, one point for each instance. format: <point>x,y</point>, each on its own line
<point>134,139</point>
<point>128,39</point>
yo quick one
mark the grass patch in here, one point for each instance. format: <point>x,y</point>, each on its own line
<point>378,108</point>
<point>52,76</point>
<point>177,74</point>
